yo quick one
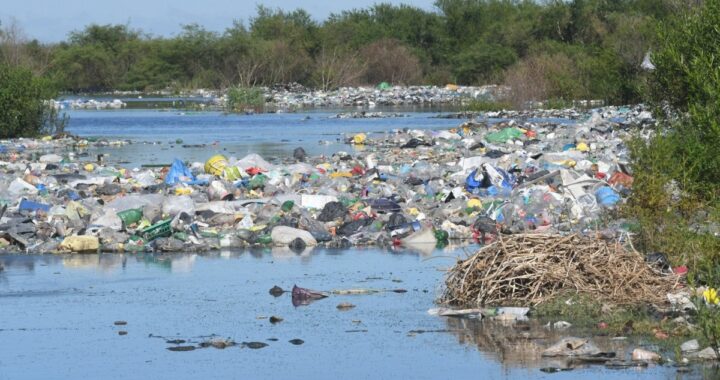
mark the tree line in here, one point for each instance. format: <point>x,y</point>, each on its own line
<point>580,49</point>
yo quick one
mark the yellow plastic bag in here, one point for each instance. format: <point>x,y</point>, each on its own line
<point>360,138</point>
<point>474,203</point>
<point>80,244</point>
<point>183,190</point>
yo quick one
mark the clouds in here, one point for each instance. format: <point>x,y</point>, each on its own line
<point>51,21</point>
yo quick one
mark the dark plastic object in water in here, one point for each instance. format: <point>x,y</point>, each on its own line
<point>302,296</point>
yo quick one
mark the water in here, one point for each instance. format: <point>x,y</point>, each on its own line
<point>270,135</point>
<point>58,315</point>
<point>57,312</point>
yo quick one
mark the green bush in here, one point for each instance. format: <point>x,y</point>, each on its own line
<point>24,108</point>
<point>239,99</point>
<point>677,170</point>
<point>687,79</point>
<point>488,105</point>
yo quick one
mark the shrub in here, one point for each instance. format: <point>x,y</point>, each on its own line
<point>334,68</point>
<point>240,99</point>
<point>675,193</point>
<point>24,108</point>
<point>388,60</point>
<point>543,77</point>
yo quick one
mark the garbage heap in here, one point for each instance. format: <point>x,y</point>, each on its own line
<point>413,188</point>
<point>294,97</point>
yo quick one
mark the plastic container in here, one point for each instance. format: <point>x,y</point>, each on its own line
<point>264,239</point>
<point>26,205</point>
<point>157,230</point>
<point>216,164</point>
<point>217,191</point>
<point>130,216</point>
<point>406,228</point>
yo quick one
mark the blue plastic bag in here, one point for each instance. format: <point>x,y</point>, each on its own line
<point>606,196</point>
<point>177,172</point>
<point>473,181</point>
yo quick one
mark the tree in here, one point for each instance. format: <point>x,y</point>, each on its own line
<point>84,68</point>
<point>482,63</point>
<point>17,50</point>
<point>25,111</point>
<point>335,68</point>
<point>687,78</point>
<point>296,28</point>
<point>388,60</point>
<point>544,77</point>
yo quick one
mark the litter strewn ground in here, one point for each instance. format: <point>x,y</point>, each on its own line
<point>415,188</point>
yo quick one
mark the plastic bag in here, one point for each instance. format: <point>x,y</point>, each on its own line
<point>178,173</point>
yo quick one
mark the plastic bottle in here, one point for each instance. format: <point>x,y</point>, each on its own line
<point>130,216</point>
<point>406,228</point>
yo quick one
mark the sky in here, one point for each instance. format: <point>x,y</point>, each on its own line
<point>52,20</point>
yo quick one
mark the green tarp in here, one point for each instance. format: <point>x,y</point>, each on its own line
<point>503,136</point>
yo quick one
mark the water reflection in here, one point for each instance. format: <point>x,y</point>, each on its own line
<point>106,263</point>
<point>185,262</point>
<point>520,345</point>
<point>517,345</point>
<point>26,263</point>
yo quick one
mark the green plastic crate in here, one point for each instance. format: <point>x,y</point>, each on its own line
<point>157,230</point>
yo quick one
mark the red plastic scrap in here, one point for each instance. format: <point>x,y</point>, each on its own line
<point>357,170</point>
<point>254,170</point>
<point>620,178</point>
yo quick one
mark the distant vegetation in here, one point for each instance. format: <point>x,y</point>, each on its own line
<point>544,50</point>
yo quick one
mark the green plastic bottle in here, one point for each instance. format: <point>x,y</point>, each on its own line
<point>441,235</point>
<point>264,239</point>
<point>287,206</point>
<point>130,216</point>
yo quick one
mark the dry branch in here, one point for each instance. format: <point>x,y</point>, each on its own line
<point>530,269</point>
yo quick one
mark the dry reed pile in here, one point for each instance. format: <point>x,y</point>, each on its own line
<point>528,269</point>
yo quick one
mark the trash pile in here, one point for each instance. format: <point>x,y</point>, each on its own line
<point>637,115</point>
<point>410,188</point>
<point>301,97</point>
<point>529,269</point>
<point>367,115</point>
<point>89,104</point>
